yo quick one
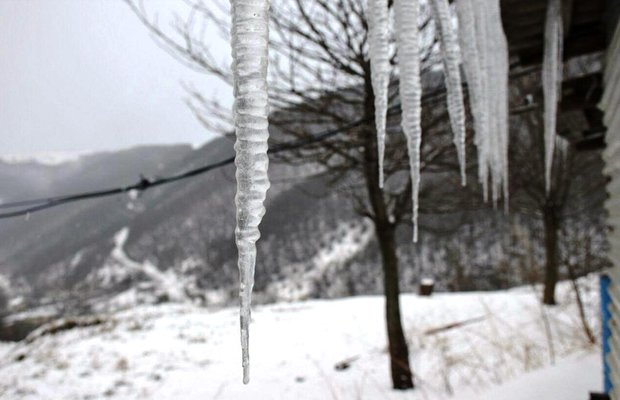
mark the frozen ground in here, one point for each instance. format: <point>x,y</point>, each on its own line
<point>185,352</point>
<point>571,379</point>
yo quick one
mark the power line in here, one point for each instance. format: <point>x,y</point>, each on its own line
<point>36,205</point>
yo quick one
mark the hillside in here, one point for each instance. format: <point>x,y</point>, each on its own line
<point>122,250</point>
<point>184,228</point>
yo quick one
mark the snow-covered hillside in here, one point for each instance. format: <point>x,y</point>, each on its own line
<point>180,238</point>
<point>327,349</point>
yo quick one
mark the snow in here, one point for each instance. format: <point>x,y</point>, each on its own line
<point>5,284</point>
<point>552,80</point>
<point>452,72</point>
<point>427,281</point>
<point>119,266</point>
<point>186,352</point>
<point>348,242</point>
<point>379,51</point>
<point>249,42</point>
<point>570,379</point>
<point>407,37</point>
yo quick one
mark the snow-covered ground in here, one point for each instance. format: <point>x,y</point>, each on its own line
<point>184,352</point>
<point>571,378</point>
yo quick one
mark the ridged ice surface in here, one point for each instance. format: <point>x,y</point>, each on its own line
<point>552,79</point>
<point>451,61</point>
<point>497,58</point>
<point>249,41</point>
<point>473,73</point>
<point>379,51</point>
<point>485,60</point>
<point>406,18</point>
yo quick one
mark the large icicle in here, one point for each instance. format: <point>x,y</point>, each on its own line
<point>552,79</point>
<point>472,63</point>
<point>503,98</point>
<point>497,58</point>
<point>406,16</point>
<point>485,59</point>
<point>451,61</point>
<point>249,35</point>
<point>379,50</point>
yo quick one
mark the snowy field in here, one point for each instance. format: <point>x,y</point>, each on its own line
<point>502,351</point>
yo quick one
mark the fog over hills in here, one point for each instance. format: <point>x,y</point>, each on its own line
<point>185,227</point>
<point>176,242</point>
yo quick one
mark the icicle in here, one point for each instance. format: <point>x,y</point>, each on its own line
<point>503,112</point>
<point>561,146</point>
<point>406,14</point>
<point>485,59</point>
<point>552,79</point>
<point>480,12</point>
<point>492,96</point>
<point>497,59</point>
<point>249,35</point>
<point>451,61</point>
<point>472,63</point>
<point>378,43</point>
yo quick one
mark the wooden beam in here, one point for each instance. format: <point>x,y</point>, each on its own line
<point>524,24</point>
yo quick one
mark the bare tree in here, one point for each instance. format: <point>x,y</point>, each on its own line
<point>320,78</point>
<point>576,184</point>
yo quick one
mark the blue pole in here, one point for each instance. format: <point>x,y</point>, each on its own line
<point>606,329</point>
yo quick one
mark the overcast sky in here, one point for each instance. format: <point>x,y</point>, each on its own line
<point>85,75</point>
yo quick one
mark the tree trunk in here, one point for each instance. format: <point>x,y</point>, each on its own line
<point>551,254</point>
<point>399,353</point>
<point>402,377</point>
<point>580,306</point>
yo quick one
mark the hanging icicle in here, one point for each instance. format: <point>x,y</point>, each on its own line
<point>406,17</point>
<point>503,128</point>
<point>552,80</point>
<point>451,62</point>
<point>250,37</point>
<point>497,57</point>
<point>379,50</point>
<point>485,60</point>
<point>472,64</point>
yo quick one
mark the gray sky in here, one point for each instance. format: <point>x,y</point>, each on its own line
<point>85,75</point>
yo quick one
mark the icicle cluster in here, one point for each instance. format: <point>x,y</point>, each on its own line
<point>451,62</point>
<point>407,37</point>
<point>552,79</point>
<point>474,75</point>
<point>485,59</point>
<point>379,51</point>
<point>406,17</point>
<point>249,36</point>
